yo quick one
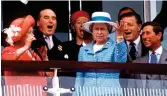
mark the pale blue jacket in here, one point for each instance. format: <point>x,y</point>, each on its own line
<point>110,52</point>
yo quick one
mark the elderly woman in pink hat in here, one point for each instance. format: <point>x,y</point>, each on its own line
<point>20,36</point>
<point>102,49</point>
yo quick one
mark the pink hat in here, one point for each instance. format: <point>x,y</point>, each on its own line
<point>79,14</point>
<point>18,28</point>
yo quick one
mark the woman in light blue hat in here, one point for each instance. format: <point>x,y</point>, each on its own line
<point>102,49</point>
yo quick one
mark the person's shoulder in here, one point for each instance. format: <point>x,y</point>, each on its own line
<point>164,50</point>
<point>68,43</point>
<point>142,59</point>
<point>9,49</point>
<point>56,40</point>
<point>88,46</point>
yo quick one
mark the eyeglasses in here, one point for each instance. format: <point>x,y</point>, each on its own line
<point>100,29</point>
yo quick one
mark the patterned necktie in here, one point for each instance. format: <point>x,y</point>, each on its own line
<point>132,51</point>
<point>153,58</point>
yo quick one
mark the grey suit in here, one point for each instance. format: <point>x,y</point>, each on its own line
<point>155,81</point>
<point>141,51</point>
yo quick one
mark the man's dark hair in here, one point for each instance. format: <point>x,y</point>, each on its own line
<point>125,8</point>
<point>130,14</point>
<point>156,27</point>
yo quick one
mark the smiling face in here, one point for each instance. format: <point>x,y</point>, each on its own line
<point>150,39</point>
<point>47,22</point>
<point>100,33</point>
<point>131,28</point>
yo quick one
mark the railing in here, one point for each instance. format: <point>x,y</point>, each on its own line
<point>74,66</point>
<point>47,65</point>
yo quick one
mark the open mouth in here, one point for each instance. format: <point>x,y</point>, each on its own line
<point>49,26</point>
<point>127,33</point>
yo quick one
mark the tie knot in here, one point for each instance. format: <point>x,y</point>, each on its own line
<point>132,44</point>
<point>46,37</point>
<point>153,53</point>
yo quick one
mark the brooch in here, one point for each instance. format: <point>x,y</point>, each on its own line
<point>60,48</point>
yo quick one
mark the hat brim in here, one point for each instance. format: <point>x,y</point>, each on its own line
<point>24,24</point>
<point>86,25</point>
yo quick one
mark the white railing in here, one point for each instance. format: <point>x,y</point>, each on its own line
<point>108,91</point>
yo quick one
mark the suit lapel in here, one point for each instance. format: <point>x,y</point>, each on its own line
<point>163,58</point>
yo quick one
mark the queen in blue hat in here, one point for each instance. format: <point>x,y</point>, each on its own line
<point>100,82</point>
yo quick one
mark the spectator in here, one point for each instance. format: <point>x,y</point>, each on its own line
<point>130,24</point>
<point>20,37</point>
<point>80,37</point>
<point>152,35</point>
<point>46,26</point>
<point>121,11</point>
<point>102,49</point>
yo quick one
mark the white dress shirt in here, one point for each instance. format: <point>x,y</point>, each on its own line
<point>158,53</point>
<point>49,41</point>
<point>137,41</point>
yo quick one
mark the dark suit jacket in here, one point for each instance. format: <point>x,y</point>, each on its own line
<point>155,81</point>
<point>71,49</point>
<point>53,54</point>
<point>141,48</point>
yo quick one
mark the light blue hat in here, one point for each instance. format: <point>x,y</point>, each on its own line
<point>99,17</point>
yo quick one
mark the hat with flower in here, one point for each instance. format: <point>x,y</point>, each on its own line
<point>18,28</point>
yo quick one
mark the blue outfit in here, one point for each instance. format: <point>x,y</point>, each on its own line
<point>110,52</point>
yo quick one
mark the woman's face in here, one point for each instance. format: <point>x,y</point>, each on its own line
<point>78,26</point>
<point>29,34</point>
<point>100,33</point>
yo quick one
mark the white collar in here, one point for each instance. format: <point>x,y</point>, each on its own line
<point>158,51</point>
<point>136,41</point>
<point>50,37</point>
<point>83,43</point>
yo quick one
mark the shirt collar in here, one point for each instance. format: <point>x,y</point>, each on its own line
<point>50,37</point>
<point>158,51</point>
<point>136,41</point>
<point>83,43</point>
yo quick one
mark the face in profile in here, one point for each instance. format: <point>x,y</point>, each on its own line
<point>150,39</point>
<point>131,28</point>
<point>29,34</point>
<point>47,22</point>
<point>78,26</point>
<point>100,33</point>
